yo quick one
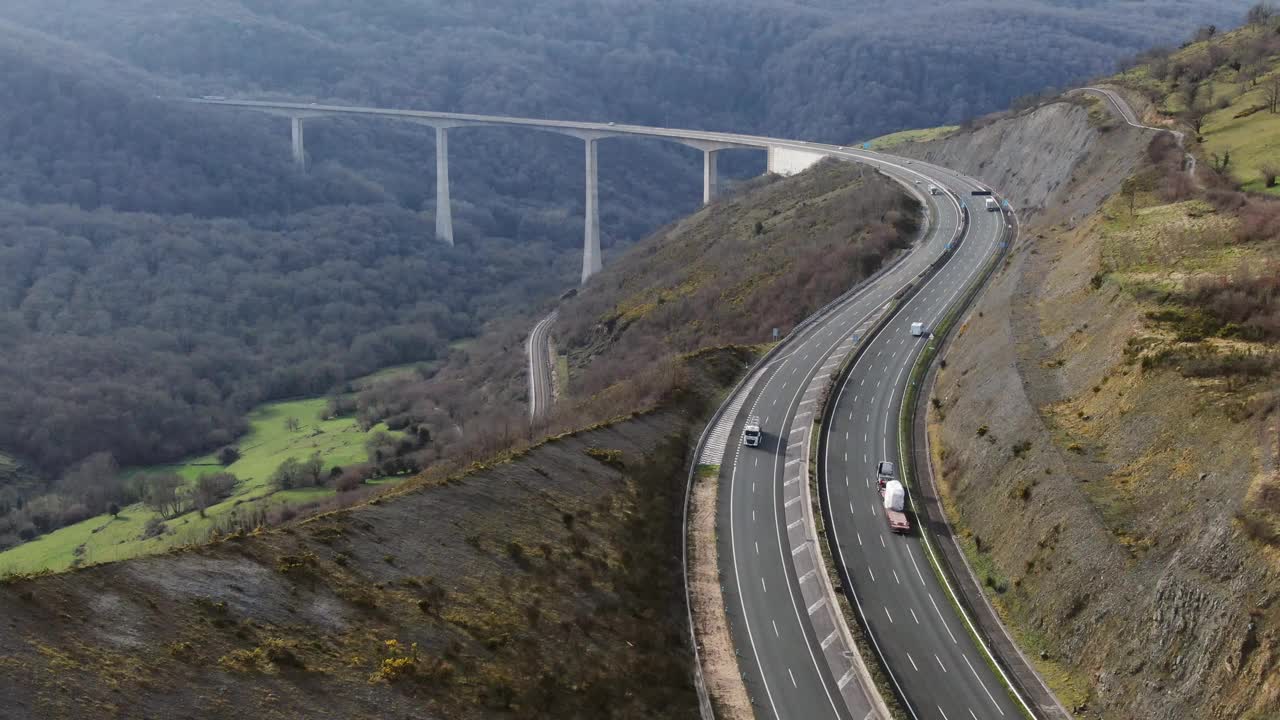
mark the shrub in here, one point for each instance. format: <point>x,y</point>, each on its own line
<point>983,430</point>
<point>228,455</point>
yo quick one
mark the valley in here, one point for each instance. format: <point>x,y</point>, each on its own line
<point>300,434</point>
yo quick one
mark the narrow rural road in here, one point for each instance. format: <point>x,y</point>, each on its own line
<point>541,382</point>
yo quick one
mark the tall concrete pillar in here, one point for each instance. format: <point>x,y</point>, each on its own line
<point>710,179</point>
<point>299,147</point>
<point>591,236</point>
<point>444,211</point>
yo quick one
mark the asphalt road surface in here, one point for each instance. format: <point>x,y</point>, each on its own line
<point>540,380</point>
<point>781,657</point>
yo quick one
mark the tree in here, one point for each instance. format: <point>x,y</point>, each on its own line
<point>1260,14</point>
<point>313,470</point>
<point>228,455</point>
<point>1195,115</point>
<point>1272,94</point>
<point>162,492</point>
<point>1129,191</point>
<point>211,488</point>
<point>1269,174</point>
<point>113,510</point>
<point>292,424</point>
<point>288,475</point>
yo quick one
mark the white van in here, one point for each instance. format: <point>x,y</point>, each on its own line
<point>917,329</point>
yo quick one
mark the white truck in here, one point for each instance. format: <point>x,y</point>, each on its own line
<point>894,496</point>
<point>895,502</point>
<point>917,329</point>
<point>751,432</point>
<point>992,204</point>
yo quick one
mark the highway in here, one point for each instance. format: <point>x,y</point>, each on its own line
<point>938,668</point>
<point>782,655</point>
<point>786,640</point>
<point>541,383</point>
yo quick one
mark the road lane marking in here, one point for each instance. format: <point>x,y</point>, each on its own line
<point>895,577</point>
<point>799,548</point>
<point>983,684</point>
<point>975,717</point>
<point>944,667</point>
<point>872,573</point>
<point>762,585</point>
<point>793,679</point>
<point>913,615</point>
<point>911,554</point>
<point>886,612</point>
<point>794,524</point>
<point>826,642</point>
<point>775,628</point>
<point>944,714</point>
<point>859,539</point>
<point>817,605</point>
<point>913,662</point>
<point>944,620</point>
<point>882,539</point>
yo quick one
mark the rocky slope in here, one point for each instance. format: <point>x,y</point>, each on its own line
<point>1114,478</point>
<point>546,585</point>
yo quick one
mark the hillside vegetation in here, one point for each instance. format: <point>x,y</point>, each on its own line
<point>1105,426</point>
<point>516,589</point>
<point>1225,88</point>
<point>164,268</point>
<point>764,257</point>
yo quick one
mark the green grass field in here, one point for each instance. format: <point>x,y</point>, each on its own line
<point>1253,141</point>
<point>339,441</point>
<point>892,140</point>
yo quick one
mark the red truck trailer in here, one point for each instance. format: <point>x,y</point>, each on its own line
<point>895,499</point>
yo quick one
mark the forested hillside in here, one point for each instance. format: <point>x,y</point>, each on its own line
<point>163,267</point>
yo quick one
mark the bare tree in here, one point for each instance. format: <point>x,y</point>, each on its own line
<point>1272,94</point>
<point>1269,174</point>
<point>1195,115</point>
<point>1260,14</point>
<point>292,424</point>
<point>162,492</point>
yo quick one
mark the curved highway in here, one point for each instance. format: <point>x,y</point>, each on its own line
<point>779,640</point>
<point>937,667</point>
<point>779,631</point>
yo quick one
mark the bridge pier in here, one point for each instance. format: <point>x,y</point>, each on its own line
<point>444,210</point>
<point>591,235</point>
<point>710,178</point>
<point>299,149</point>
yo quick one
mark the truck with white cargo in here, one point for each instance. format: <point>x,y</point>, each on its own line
<point>894,496</point>
<point>992,204</point>
<point>751,432</point>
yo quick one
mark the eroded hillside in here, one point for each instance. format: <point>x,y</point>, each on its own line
<point>1105,424</point>
<point>545,584</point>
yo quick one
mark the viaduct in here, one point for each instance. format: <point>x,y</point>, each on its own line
<point>785,157</point>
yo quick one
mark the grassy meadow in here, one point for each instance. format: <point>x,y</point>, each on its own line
<point>270,441</point>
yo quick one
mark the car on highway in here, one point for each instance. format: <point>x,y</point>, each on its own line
<point>917,329</point>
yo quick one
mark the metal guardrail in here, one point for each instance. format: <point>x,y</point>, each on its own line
<point>705,708</point>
